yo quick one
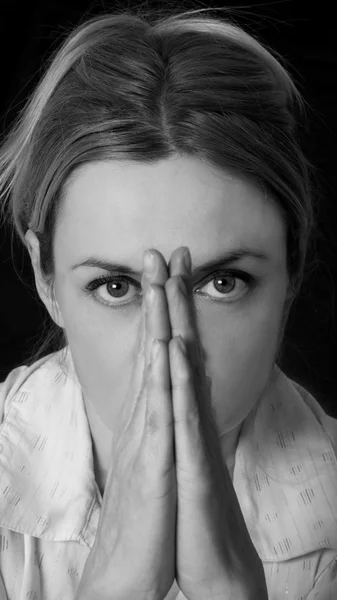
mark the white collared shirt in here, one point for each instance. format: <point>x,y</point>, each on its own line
<point>285,478</point>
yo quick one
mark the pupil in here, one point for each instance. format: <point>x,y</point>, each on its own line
<point>112,285</point>
<point>219,279</point>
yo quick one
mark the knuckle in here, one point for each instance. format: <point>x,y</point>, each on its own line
<point>182,377</point>
<point>156,288</point>
<point>152,421</point>
<point>189,418</point>
<point>171,284</point>
<point>159,291</point>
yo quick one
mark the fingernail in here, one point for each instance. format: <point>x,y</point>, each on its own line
<point>187,260</point>
<point>182,344</point>
<point>152,295</point>
<point>182,286</point>
<point>149,262</point>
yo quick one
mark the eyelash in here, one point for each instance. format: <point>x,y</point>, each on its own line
<point>92,286</point>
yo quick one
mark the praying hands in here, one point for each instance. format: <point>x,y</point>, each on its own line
<point>170,510</point>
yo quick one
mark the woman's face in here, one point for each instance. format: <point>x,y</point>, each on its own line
<point>114,211</point>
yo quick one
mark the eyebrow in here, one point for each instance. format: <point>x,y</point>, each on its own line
<point>220,261</point>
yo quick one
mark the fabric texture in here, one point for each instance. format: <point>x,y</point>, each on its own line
<point>285,478</point>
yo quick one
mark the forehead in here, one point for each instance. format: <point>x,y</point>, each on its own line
<point>117,209</point>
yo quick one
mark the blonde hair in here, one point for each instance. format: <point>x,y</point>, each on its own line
<point>130,85</point>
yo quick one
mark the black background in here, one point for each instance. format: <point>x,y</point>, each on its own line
<point>304,33</point>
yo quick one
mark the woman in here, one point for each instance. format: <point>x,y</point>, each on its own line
<point>163,134</point>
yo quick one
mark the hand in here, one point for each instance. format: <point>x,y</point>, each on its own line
<point>133,556</point>
<point>215,557</point>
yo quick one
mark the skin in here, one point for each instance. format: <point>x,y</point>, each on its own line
<point>117,210</point>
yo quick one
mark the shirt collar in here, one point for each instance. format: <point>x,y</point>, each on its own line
<point>47,482</point>
<point>285,473</point>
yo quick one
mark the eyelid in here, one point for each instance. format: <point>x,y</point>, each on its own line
<point>102,279</point>
<point>93,285</point>
<point>249,280</point>
<point>233,272</point>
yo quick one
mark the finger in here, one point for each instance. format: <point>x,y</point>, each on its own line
<point>159,412</point>
<point>157,321</point>
<point>184,324</point>
<point>154,323</point>
<point>197,446</point>
<point>177,264</point>
<point>190,444</point>
<point>161,273</point>
<point>181,306</point>
<point>179,296</point>
<point>157,277</point>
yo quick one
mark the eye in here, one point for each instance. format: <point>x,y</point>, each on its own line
<point>223,283</point>
<point>117,288</point>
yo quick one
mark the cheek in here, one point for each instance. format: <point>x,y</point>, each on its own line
<point>240,357</point>
<point>104,370</point>
<point>95,330</point>
<point>103,346</point>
